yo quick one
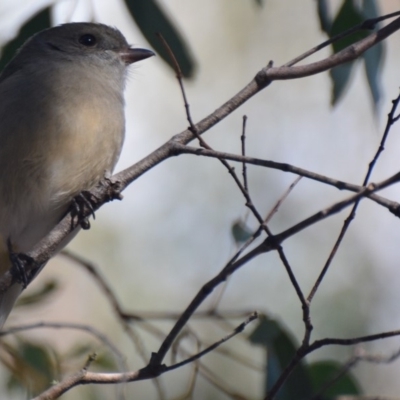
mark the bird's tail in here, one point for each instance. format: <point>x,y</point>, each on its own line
<point>7,300</point>
<point>9,296</point>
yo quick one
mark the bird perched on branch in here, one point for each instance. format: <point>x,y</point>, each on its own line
<point>61,130</point>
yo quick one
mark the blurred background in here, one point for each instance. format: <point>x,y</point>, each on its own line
<point>173,230</point>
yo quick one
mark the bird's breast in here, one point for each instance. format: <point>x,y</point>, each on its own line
<point>86,144</point>
<point>60,135</point>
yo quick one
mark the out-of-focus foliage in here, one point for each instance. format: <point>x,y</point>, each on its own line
<point>240,232</point>
<point>34,365</point>
<point>348,16</point>
<point>307,380</point>
<point>37,23</point>
<point>326,372</point>
<point>149,17</point>
<point>42,294</point>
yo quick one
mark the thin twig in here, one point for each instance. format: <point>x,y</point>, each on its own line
<point>193,377</point>
<point>84,376</point>
<point>119,357</point>
<point>352,214</point>
<point>359,356</point>
<point>368,24</point>
<point>339,184</point>
<point>335,208</point>
<point>244,166</point>
<point>275,208</point>
<point>179,77</point>
<point>110,188</point>
<point>172,315</point>
<point>305,350</point>
<point>136,340</point>
<point>92,357</point>
<point>213,379</point>
<point>236,331</point>
<point>242,187</point>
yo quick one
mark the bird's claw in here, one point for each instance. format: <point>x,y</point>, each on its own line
<point>83,202</point>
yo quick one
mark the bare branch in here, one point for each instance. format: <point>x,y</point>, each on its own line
<point>244,166</point>
<point>390,121</point>
<point>119,357</point>
<point>304,350</point>
<point>339,184</point>
<point>367,24</point>
<point>85,377</point>
<point>210,348</point>
<point>111,188</point>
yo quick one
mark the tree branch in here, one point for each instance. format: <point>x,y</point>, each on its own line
<point>110,189</point>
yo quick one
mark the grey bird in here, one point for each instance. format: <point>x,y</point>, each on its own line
<point>62,128</point>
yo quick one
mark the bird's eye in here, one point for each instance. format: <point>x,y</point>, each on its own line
<point>88,40</point>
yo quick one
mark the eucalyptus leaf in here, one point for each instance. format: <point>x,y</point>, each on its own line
<point>281,348</point>
<point>33,366</point>
<point>373,57</point>
<point>37,23</point>
<point>348,16</point>
<point>151,19</point>
<point>332,376</point>
<point>240,232</point>
<point>340,77</point>
<point>372,63</point>
<point>37,356</point>
<point>370,8</point>
<point>40,295</point>
<point>324,17</point>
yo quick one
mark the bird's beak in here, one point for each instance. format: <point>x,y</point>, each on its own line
<point>131,55</point>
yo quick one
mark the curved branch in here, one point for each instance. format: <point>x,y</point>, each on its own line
<point>47,247</point>
<point>110,189</point>
<point>285,167</point>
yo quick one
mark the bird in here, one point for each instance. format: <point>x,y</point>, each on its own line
<point>62,127</point>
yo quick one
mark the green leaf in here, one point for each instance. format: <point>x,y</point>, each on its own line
<point>105,362</point>
<point>37,23</point>
<point>47,289</point>
<point>348,16</point>
<point>151,19</point>
<point>323,372</point>
<point>372,63</point>
<point>240,232</point>
<point>374,56</point>
<point>37,357</point>
<point>32,366</point>
<point>340,77</point>
<point>15,386</point>
<point>281,348</point>
<point>325,21</point>
<point>370,9</point>
<point>80,350</point>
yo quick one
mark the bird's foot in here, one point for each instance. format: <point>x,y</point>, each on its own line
<point>81,204</point>
<point>23,267</point>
